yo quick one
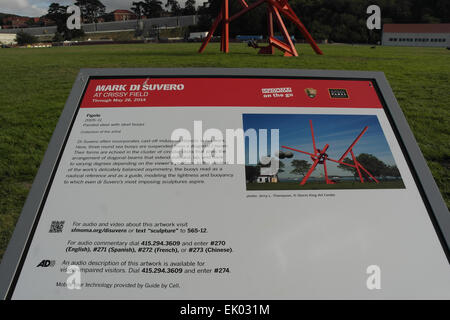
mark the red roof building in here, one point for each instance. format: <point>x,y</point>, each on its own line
<point>123,15</point>
<point>16,22</point>
<point>418,28</point>
<point>417,35</point>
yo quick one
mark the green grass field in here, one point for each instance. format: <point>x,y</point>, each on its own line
<point>35,84</point>
<point>398,184</point>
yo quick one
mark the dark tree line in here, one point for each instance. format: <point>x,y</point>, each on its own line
<point>253,172</point>
<point>23,38</point>
<point>375,166</point>
<point>334,20</point>
<point>154,8</point>
<point>93,10</point>
<point>148,8</point>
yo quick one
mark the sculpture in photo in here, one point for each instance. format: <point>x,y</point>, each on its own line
<point>320,157</point>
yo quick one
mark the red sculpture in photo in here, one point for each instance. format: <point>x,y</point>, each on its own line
<point>275,9</point>
<point>320,157</point>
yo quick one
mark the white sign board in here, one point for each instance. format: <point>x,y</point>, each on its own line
<point>156,185</point>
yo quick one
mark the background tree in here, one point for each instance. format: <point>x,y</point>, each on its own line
<point>138,8</point>
<point>392,171</point>
<point>91,10</point>
<point>23,38</point>
<point>205,18</point>
<point>334,20</point>
<point>372,164</point>
<point>59,15</point>
<point>252,173</point>
<point>189,8</point>
<point>30,23</point>
<point>281,167</point>
<point>349,169</point>
<point>173,7</point>
<point>153,8</point>
<point>58,37</point>
<point>301,167</point>
<point>108,17</point>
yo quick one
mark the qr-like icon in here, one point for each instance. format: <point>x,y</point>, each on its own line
<point>56,227</point>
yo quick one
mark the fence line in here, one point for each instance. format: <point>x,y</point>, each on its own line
<point>180,21</point>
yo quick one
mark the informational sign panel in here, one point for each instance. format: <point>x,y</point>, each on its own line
<point>230,184</point>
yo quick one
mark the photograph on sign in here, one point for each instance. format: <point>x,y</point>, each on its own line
<point>337,152</point>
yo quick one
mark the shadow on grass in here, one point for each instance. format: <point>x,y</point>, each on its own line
<point>185,54</point>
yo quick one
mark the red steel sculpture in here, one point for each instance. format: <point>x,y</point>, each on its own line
<point>275,8</point>
<point>320,157</point>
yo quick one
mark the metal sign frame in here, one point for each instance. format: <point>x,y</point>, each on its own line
<point>14,257</point>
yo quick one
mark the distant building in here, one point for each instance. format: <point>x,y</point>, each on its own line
<point>416,35</point>
<point>8,38</point>
<point>46,22</point>
<point>124,15</point>
<point>15,22</point>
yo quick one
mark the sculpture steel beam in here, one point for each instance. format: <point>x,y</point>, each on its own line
<point>275,10</point>
<point>320,157</point>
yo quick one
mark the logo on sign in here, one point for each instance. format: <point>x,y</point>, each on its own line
<point>311,92</point>
<point>338,93</point>
<point>46,264</point>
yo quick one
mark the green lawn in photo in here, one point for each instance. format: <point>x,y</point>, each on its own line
<point>35,83</point>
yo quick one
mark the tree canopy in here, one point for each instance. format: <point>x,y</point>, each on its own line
<point>301,167</point>
<point>58,13</point>
<point>153,8</point>
<point>374,165</point>
<point>91,9</point>
<point>174,7</point>
<point>189,7</point>
<point>334,20</point>
<point>138,8</point>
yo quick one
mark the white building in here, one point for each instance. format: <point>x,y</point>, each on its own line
<point>416,35</point>
<point>7,38</point>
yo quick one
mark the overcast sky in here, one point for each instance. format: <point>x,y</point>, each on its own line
<point>35,8</point>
